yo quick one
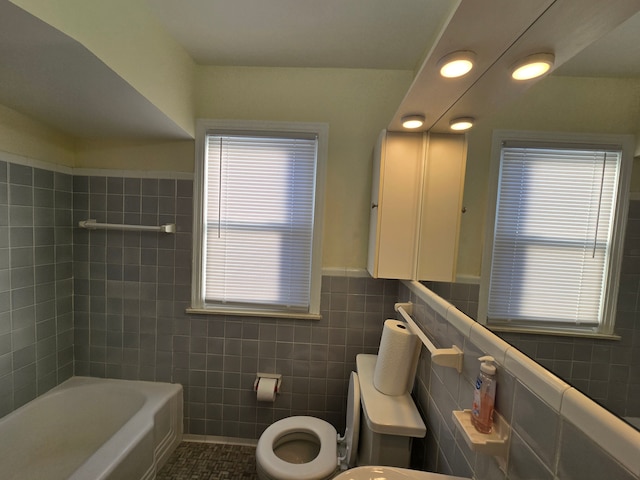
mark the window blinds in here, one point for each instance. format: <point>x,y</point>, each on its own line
<point>258,212</point>
<point>553,231</point>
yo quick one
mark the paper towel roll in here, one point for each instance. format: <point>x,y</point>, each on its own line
<point>267,389</point>
<point>397,359</point>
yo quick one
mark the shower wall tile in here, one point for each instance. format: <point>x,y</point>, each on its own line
<point>36,287</point>
<point>536,422</point>
<point>581,458</point>
<point>607,371</point>
<point>131,293</point>
<point>543,443</point>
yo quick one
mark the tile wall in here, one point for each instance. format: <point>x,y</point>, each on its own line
<point>129,298</point>
<point>131,292</point>
<point>36,288</point>
<point>608,371</point>
<point>544,444</point>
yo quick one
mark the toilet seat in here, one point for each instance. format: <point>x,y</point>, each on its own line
<point>320,467</point>
<point>328,460</point>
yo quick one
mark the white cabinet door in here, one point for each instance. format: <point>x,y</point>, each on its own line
<point>416,203</point>
<point>442,191</point>
<point>395,205</point>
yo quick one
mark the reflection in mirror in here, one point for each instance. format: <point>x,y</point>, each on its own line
<point>597,92</point>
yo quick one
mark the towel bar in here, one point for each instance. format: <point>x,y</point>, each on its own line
<point>445,357</point>
<point>91,224</point>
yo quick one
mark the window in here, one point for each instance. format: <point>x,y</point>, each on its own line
<point>554,251</point>
<point>258,218</point>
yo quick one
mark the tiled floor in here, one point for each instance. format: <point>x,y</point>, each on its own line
<point>210,461</point>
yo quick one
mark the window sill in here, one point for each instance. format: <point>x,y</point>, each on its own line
<point>556,333</point>
<point>254,313</point>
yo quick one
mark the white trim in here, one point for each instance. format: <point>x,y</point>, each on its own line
<point>345,272</point>
<point>92,172</point>
<point>253,313</point>
<point>468,278</point>
<point>159,174</point>
<point>30,162</point>
<point>558,333</point>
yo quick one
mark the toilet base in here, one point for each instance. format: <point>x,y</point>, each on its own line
<point>382,449</point>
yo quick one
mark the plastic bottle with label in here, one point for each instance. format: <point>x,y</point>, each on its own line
<point>484,396</point>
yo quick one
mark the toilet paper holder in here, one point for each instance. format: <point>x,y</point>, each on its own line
<point>259,375</point>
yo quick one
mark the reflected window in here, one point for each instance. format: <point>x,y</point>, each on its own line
<point>554,254</point>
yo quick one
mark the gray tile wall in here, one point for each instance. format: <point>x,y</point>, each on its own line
<point>131,290</point>
<point>36,314</point>
<point>131,293</point>
<point>543,445</point>
<point>608,371</point>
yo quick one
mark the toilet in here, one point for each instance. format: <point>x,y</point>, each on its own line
<point>307,448</point>
<point>391,473</point>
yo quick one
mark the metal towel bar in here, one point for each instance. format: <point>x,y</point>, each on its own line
<point>445,357</point>
<point>91,224</point>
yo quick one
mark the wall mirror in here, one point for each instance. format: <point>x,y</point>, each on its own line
<point>597,91</point>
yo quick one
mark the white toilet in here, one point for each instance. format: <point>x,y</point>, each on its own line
<point>392,473</point>
<point>307,448</point>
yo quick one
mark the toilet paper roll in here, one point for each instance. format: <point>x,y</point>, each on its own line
<point>267,389</point>
<point>397,359</point>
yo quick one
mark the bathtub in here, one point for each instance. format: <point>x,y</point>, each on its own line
<point>92,428</point>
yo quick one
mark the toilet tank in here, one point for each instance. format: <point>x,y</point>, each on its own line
<point>390,422</point>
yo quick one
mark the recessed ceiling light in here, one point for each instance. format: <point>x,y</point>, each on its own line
<point>456,64</point>
<point>532,66</point>
<point>413,121</point>
<point>461,123</point>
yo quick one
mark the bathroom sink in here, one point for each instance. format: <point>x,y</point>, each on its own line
<point>391,473</point>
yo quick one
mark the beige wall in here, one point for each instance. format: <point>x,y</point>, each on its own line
<point>571,104</point>
<point>169,156</point>
<point>127,38</point>
<point>356,104</point>
<point>21,135</point>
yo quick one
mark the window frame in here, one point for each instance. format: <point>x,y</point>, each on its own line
<point>605,329</point>
<point>248,127</point>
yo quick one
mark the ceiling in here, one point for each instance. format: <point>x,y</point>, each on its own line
<point>378,34</point>
<point>617,54</point>
<point>47,75</point>
<point>348,34</point>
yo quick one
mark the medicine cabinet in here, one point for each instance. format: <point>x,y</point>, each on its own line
<point>416,205</point>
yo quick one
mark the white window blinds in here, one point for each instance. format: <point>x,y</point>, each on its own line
<point>553,231</point>
<point>258,220</point>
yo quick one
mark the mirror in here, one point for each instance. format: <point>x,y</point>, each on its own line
<point>597,91</point>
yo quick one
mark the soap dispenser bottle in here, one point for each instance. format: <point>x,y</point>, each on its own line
<point>484,395</point>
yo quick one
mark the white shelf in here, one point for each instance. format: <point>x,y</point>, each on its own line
<point>494,443</point>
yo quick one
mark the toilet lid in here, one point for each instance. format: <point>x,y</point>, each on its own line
<point>352,430</point>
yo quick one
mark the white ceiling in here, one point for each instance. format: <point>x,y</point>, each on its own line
<point>617,54</point>
<point>379,34</point>
<point>47,75</point>
<point>51,77</point>
<point>348,34</point>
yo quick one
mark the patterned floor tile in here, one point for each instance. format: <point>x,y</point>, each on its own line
<point>210,461</point>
